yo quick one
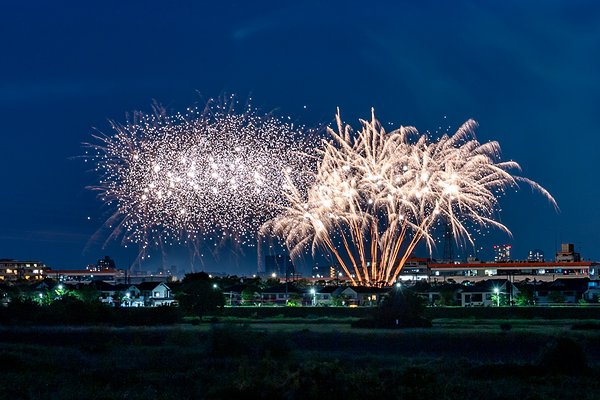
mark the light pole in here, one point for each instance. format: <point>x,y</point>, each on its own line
<point>497,291</point>
<point>314,296</point>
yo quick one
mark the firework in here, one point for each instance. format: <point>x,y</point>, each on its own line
<point>214,172</point>
<point>376,195</point>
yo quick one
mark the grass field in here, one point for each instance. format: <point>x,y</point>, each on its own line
<point>456,359</point>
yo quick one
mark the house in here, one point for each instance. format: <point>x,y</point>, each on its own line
<point>279,294</point>
<point>361,295</point>
<point>593,292</point>
<point>107,293</point>
<point>446,294</point>
<point>145,294</point>
<point>487,293</point>
<point>562,290</point>
<point>324,295</point>
<point>155,294</point>
<point>129,296</point>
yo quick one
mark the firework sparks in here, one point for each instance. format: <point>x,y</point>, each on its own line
<point>376,195</point>
<point>215,172</point>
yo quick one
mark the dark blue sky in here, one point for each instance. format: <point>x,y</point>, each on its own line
<point>529,74</point>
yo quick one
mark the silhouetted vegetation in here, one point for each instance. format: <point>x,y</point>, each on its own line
<point>72,311</point>
<point>401,308</point>
<point>222,361</point>
<point>198,294</point>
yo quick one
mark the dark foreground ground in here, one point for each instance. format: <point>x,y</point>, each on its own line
<point>456,359</point>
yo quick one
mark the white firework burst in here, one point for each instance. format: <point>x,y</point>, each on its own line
<point>212,172</point>
<point>376,195</point>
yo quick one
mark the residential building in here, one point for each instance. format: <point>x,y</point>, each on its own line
<point>361,295</point>
<point>536,255</point>
<point>502,252</point>
<point>561,291</point>
<point>146,294</point>
<point>515,270</point>
<point>567,253</point>
<point>87,275</point>
<point>492,292</point>
<point>13,270</point>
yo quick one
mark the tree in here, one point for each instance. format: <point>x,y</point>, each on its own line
<point>340,300</point>
<point>199,295</point>
<point>249,295</point>
<point>294,299</point>
<point>86,293</point>
<point>525,297</point>
<point>447,297</point>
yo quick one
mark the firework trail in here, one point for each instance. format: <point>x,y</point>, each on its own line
<point>214,172</point>
<point>376,195</point>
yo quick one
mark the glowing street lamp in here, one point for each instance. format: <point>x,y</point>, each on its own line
<point>497,291</point>
<point>314,296</point>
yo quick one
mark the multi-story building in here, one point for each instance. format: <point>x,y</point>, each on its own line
<point>567,253</point>
<point>87,275</point>
<point>13,270</point>
<point>327,271</point>
<point>414,269</point>
<point>515,270</point>
<point>502,252</point>
<point>536,255</point>
<point>105,264</point>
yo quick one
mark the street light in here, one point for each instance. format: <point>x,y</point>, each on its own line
<point>497,291</point>
<point>314,295</point>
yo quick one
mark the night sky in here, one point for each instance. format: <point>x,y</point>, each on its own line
<point>529,74</point>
